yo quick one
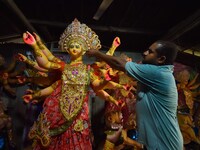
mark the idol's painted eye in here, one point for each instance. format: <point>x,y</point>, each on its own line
<point>71,46</point>
<point>77,46</point>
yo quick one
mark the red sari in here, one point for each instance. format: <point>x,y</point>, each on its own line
<point>64,122</point>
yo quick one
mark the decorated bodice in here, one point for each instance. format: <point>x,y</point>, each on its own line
<point>75,81</point>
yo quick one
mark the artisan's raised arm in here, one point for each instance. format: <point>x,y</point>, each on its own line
<point>115,62</point>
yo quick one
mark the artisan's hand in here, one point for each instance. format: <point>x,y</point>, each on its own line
<point>29,38</point>
<point>91,52</point>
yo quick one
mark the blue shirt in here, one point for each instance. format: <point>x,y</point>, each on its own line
<point>156,106</point>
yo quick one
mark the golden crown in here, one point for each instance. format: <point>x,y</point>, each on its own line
<point>80,33</point>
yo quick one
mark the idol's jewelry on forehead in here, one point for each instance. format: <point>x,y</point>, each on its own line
<point>80,33</point>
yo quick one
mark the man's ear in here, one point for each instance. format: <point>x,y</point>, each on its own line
<point>161,60</point>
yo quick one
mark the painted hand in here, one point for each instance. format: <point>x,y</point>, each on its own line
<point>21,79</point>
<point>5,76</point>
<point>27,98</point>
<point>37,38</point>
<point>21,57</point>
<point>29,91</point>
<point>116,42</point>
<point>29,38</point>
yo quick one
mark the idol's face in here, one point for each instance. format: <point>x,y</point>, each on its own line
<point>75,49</point>
<point>114,120</point>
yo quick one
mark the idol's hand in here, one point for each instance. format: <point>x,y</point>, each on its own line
<point>116,42</point>
<point>27,98</point>
<point>29,91</point>
<point>43,74</point>
<point>5,76</point>
<point>21,79</point>
<point>29,38</point>
<point>21,57</point>
<point>37,38</point>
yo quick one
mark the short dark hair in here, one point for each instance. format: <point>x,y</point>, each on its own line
<point>167,49</point>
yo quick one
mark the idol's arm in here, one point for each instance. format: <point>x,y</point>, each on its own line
<point>129,141</point>
<point>193,80</point>
<point>33,64</point>
<point>41,59</point>
<point>33,96</point>
<point>45,50</point>
<point>115,44</point>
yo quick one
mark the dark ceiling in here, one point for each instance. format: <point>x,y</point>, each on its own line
<point>138,23</point>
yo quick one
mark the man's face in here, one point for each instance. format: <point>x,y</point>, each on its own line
<point>150,55</point>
